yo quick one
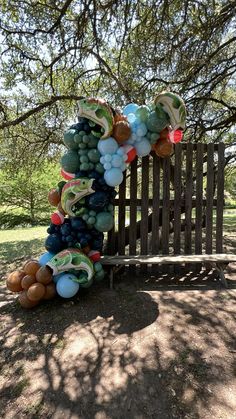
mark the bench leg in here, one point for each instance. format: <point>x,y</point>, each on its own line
<point>111,276</point>
<point>220,269</point>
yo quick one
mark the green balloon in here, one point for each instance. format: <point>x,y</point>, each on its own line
<point>98,267</point>
<point>91,220</point>
<point>69,139</point>
<point>99,276</point>
<point>84,166</point>
<point>83,152</point>
<point>84,159</point>
<point>85,139</point>
<point>99,168</point>
<point>82,145</point>
<point>104,221</point>
<point>142,113</point>
<point>70,161</point>
<point>94,155</point>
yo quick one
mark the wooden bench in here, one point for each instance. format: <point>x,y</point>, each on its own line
<point>217,261</point>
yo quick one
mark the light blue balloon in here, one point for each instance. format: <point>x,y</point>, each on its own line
<point>143,148</point>
<point>141,130</point>
<point>44,259</point>
<point>132,118</point>
<point>102,160</point>
<point>130,108</point>
<point>107,146</point>
<point>57,277</point>
<point>66,286</point>
<point>113,177</point>
<point>108,158</point>
<point>117,160</point>
<point>107,166</point>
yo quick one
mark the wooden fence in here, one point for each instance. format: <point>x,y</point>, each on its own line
<point>173,205</point>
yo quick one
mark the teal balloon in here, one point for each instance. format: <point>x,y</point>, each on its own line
<point>142,113</point>
<point>67,286</point>
<point>99,168</point>
<point>69,139</point>
<point>70,161</point>
<point>104,221</point>
<point>99,276</point>
<point>94,155</point>
<point>98,267</point>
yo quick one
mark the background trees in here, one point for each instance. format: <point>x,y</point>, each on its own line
<point>54,52</point>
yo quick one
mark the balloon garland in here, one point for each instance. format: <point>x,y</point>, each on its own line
<point>99,149</point>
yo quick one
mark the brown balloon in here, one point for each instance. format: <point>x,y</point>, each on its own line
<point>36,292</point>
<point>50,291</point>
<point>163,148</point>
<point>27,281</point>
<point>54,197</point>
<point>25,302</point>
<point>164,133</point>
<point>14,281</point>
<point>121,131</point>
<point>44,275</point>
<point>31,267</point>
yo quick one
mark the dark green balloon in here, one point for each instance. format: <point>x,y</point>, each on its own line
<point>70,161</point>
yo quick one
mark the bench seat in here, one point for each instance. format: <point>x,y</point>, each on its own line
<point>218,261</point>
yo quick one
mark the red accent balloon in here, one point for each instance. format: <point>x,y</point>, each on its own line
<point>57,218</point>
<point>130,151</point>
<point>175,136</point>
<point>67,175</point>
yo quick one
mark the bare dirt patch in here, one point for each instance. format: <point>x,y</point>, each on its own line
<point>151,348</point>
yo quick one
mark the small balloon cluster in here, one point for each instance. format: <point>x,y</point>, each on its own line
<point>100,147</point>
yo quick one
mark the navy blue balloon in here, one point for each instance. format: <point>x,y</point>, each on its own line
<point>98,200</point>
<point>53,243</point>
<point>77,223</point>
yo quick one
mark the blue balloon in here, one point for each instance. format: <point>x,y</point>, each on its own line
<point>141,130</point>
<point>44,259</point>
<point>143,148</point>
<point>57,277</point>
<point>113,177</point>
<point>66,285</point>
<point>117,160</point>
<point>107,146</point>
<point>130,108</point>
<point>132,119</point>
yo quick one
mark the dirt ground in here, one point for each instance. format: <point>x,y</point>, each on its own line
<point>151,348</point>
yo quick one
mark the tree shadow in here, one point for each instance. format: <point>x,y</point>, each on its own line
<point>121,354</point>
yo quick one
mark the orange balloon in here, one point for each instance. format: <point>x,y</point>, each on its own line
<point>163,148</point>
<point>54,197</point>
<point>25,302</point>
<point>86,249</point>
<point>121,131</point>
<point>50,291</point>
<point>36,292</point>
<point>44,275</point>
<point>31,267</point>
<point>14,281</point>
<point>27,281</point>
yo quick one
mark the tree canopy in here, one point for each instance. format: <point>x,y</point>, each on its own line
<point>55,51</point>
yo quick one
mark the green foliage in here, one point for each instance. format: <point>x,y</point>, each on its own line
<point>27,190</point>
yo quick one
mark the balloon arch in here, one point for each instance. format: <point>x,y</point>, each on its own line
<point>100,146</point>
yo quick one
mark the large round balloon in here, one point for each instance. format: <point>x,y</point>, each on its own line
<point>67,286</point>
<point>143,148</point>
<point>130,108</point>
<point>113,177</point>
<point>104,221</point>
<point>107,147</point>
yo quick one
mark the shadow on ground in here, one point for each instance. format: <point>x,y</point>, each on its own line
<point>138,351</point>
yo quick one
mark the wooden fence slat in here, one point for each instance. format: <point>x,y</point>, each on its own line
<point>220,198</point>
<point>144,209</point>
<point>121,218</point>
<point>155,205</point>
<point>209,197</point>
<point>133,211</point>
<point>188,200</point>
<point>166,206</point>
<point>177,201</point>
<point>199,200</point>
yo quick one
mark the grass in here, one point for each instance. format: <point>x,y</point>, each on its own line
<point>19,244</point>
